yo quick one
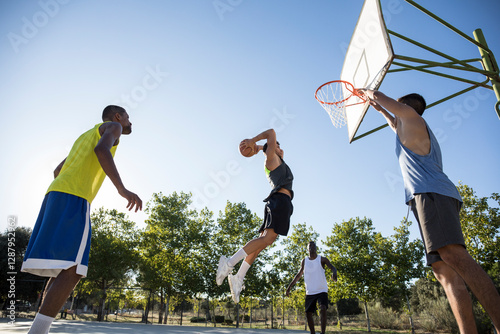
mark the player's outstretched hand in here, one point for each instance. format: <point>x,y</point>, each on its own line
<point>376,106</point>
<point>133,200</point>
<point>249,143</point>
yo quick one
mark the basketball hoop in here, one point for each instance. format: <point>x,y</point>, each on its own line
<point>335,96</point>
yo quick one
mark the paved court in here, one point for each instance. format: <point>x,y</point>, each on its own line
<point>84,327</point>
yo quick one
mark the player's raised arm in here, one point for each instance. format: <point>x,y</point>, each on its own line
<point>397,108</point>
<point>272,159</point>
<point>391,120</point>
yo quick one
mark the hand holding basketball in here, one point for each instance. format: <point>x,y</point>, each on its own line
<point>247,148</point>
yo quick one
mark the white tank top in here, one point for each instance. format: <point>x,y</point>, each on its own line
<point>314,276</point>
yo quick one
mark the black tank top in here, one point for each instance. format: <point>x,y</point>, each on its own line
<point>281,177</point>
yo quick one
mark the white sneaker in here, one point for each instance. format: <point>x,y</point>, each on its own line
<point>236,285</point>
<point>223,270</point>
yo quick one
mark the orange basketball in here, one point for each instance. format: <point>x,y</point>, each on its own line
<point>246,151</point>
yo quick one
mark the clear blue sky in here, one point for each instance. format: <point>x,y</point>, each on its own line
<point>197,77</point>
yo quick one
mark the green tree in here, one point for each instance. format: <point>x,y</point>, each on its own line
<point>354,248</point>
<point>26,287</point>
<point>480,220</point>
<point>294,250</point>
<point>113,255</point>
<point>481,229</point>
<point>172,238</point>
<point>402,263</point>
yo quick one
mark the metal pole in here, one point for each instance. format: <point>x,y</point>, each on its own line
<point>489,64</point>
<point>443,22</point>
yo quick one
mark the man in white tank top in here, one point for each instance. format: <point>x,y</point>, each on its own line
<point>313,269</point>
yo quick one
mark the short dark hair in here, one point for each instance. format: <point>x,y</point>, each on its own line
<point>264,148</point>
<point>416,101</point>
<point>110,111</point>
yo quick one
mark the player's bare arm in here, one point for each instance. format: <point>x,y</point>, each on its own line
<point>58,168</point>
<point>391,120</point>
<point>272,159</point>
<point>327,263</point>
<point>410,126</point>
<point>110,134</point>
<point>398,109</point>
<point>296,278</point>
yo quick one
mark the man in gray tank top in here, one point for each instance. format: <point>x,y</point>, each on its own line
<point>436,203</point>
<point>277,212</point>
<point>313,269</point>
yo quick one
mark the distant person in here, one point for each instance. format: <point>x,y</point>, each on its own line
<point>60,243</point>
<point>277,211</point>
<point>313,269</point>
<point>436,203</point>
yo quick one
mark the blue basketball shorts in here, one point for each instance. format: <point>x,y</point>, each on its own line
<point>61,236</point>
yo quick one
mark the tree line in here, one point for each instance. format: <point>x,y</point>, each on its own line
<point>175,257</point>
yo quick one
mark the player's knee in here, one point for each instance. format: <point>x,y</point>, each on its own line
<point>444,273</point>
<point>453,254</point>
<point>269,239</point>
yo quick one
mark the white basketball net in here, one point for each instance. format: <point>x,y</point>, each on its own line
<point>332,99</point>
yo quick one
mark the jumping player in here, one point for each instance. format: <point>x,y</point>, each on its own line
<point>436,203</point>
<point>277,212</point>
<point>60,243</point>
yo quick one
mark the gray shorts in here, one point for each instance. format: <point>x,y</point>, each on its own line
<point>438,218</point>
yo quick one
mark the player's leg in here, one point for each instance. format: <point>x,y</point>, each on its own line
<point>59,291</point>
<point>458,296</point>
<point>252,248</point>
<point>257,245</point>
<point>310,308</point>
<point>310,321</point>
<point>56,293</point>
<point>47,287</point>
<point>322,313</point>
<point>249,252</point>
<point>457,257</point>
<point>323,306</point>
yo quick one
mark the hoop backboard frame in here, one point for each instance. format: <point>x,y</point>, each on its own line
<point>367,60</point>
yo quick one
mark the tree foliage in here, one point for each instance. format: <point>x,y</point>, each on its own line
<point>113,255</point>
<point>481,228</point>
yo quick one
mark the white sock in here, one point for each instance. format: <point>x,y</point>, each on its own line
<point>243,270</point>
<point>237,257</point>
<point>41,324</point>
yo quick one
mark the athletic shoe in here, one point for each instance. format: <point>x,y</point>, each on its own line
<point>236,286</point>
<point>223,270</point>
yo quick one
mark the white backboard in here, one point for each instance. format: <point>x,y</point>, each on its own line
<point>367,59</point>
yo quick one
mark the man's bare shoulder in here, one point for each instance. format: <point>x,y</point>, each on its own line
<point>413,134</point>
<point>110,126</point>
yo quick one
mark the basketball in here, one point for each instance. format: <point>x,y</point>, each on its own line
<point>246,151</point>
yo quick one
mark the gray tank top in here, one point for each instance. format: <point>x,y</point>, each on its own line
<point>281,177</point>
<point>424,173</point>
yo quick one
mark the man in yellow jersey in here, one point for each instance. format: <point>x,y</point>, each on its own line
<point>60,243</point>
<point>277,212</point>
<point>313,269</point>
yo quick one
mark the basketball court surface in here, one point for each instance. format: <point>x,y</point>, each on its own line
<point>88,327</point>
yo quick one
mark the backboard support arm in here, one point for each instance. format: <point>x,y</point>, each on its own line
<point>429,106</point>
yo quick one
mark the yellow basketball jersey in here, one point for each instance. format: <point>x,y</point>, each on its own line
<point>82,174</point>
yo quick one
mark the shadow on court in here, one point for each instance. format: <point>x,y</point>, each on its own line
<point>84,327</point>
